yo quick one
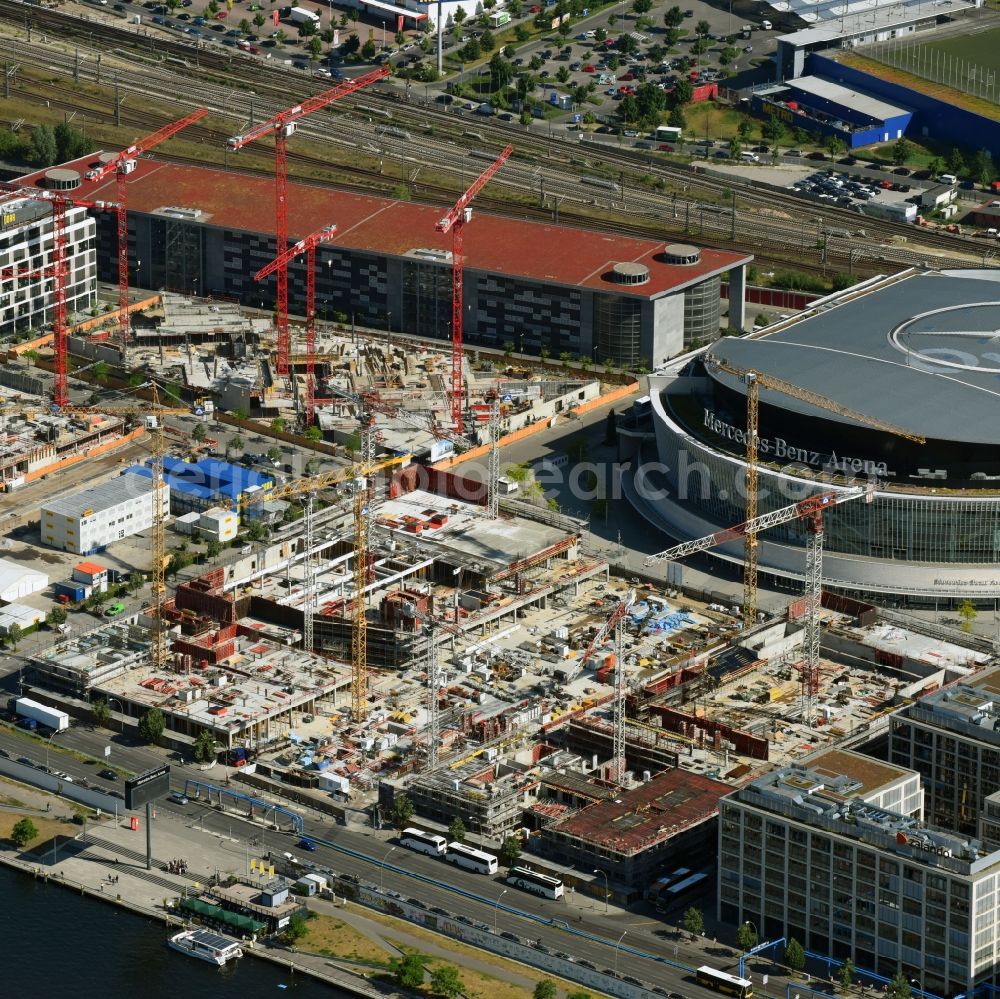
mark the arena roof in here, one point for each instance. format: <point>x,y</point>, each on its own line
<point>856,100</point>
<point>922,353</point>
<point>536,251</point>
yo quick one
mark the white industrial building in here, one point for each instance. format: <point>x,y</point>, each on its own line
<point>17,581</point>
<point>90,520</point>
<point>21,615</point>
<point>217,524</point>
<point>26,243</point>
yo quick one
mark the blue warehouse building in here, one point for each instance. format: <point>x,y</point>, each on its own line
<point>201,485</point>
<point>824,107</point>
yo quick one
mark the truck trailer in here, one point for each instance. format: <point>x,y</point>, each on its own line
<point>299,15</point>
<point>58,721</point>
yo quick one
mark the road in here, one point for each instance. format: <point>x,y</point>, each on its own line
<point>573,925</point>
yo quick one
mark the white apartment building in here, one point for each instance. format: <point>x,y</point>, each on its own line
<point>833,852</point>
<point>90,520</point>
<point>26,242</point>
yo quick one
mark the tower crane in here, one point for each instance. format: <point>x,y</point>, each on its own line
<point>614,623</point>
<point>122,165</point>
<point>811,509</point>
<point>282,126</point>
<point>454,222</point>
<point>60,268</point>
<point>306,489</point>
<point>282,260</point>
<point>754,382</point>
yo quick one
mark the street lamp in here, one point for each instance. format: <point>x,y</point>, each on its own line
<point>496,908</point>
<point>606,892</point>
<point>114,700</point>
<point>381,875</point>
<point>617,946</point>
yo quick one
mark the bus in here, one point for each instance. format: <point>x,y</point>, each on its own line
<point>470,859</point>
<point>723,982</point>
<point>537,884</point>
<point>423,842</point>
<point>680,890</point>
<point>667,133</point>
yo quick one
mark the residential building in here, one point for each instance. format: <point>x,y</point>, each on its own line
<point>951,738</point>
<point>88,521</point>
<point>833,852</point>
<point>26,243</point>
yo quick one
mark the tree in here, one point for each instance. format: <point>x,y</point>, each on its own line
<point>23,833</point>
<point>901,151</point>
<point>486,41</point>
<point>315,47</point>
<point>42,149</point>
<point>642,6</point>
<point>350,45</point>
<point>563,75</point>
<point>400,39</point>
<point>236,443</point>
<point>772,130</point>
<point>199,433</point>
<point>245,26</point>
<point>694,921</point>
<point>845,974</point>
<point>578,995</point>
<point>14,635</point>
<point>274,454</point>
<point>402,812</point>
<point>445,981</point>
<point>70,143</point>
<point>795,956</point>
<point>702,29</point>
<point>677,119</point>
<point>545,989</point>
<point>735,148</point>
<point>296,928</point>
<point>368,50</point>
<point>956,162</point>
<point>259,19</point>
<point>510,850</point>
<point>213,548</point>
<point>151,726</point>
<point>471,50</point>
<point>968,613</point>
<point>899,987</point>
<point>501,71</point>
<point>409,972</point>
<point>673,17</point>
<point>101,711</point>
<point>683,92</point>
<point>135,582</point>
<point>746,937</point>
<point>313,433</point>
<point>982,168</point>
<point>56,616</point>
<point>256,531</point>
<point>744,129</point>
<point>456,830</point>
<point>204,746</point>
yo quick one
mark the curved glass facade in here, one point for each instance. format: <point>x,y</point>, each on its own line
<point>894,526</point>
<point>618,329</point>
<point>702,311</point>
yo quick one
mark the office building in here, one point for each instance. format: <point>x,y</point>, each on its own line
<point>90,520</point>
<point>950,738</point>
<point>833,852</point>
<point>26,243</point>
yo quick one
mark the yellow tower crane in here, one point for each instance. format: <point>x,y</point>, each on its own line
<point>754,381</point>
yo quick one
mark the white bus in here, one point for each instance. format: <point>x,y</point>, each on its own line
<point>721,981</point>
<point>667,133</point>
<point>537,884</point>
<point>470,859</point>
<point>423,842</point>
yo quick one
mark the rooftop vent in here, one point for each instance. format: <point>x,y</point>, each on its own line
<point>62,179</point>
<point>682,254</point>
<point>629,273</point>
<point>188,214</point>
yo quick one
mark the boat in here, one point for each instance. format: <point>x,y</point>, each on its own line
<point>207,945</point>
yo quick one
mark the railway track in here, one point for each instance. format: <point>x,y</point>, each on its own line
<point>771,223</point>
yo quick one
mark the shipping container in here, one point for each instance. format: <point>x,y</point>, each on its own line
<point>58,721</point>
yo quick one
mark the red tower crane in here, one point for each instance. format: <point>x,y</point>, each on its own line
<point>282,260</point>
<point>123,164</point>
<point>454,222</point>
<point>59,268</point>
<point>283,125</point>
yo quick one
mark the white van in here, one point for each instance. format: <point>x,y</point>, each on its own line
<point>948,178</point>
<point>749,157</point>
<point>765,25</point>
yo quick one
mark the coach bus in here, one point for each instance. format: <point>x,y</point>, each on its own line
<point>537,884</point>
<point>723,982</point>
<point>470,859</point>
<point>680,890</point>
<point>423,842</point>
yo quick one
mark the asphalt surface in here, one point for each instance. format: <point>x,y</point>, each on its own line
<point>574,926</point>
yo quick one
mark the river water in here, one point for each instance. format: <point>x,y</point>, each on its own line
<point>61,944</point>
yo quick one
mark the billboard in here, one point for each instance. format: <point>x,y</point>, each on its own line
<point>147,787</point>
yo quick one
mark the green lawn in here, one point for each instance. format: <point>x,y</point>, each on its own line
<point>981,49</point>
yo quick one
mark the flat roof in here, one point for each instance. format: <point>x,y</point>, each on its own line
<point>867,775</point>
<point>101,497</point>
<point>847,97</point>
<point>532,250</point>
<point>648,814</point>
<point>917,353</point>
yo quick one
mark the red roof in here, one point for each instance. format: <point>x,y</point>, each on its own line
<point>533,250</point>
<point>90,568</point>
